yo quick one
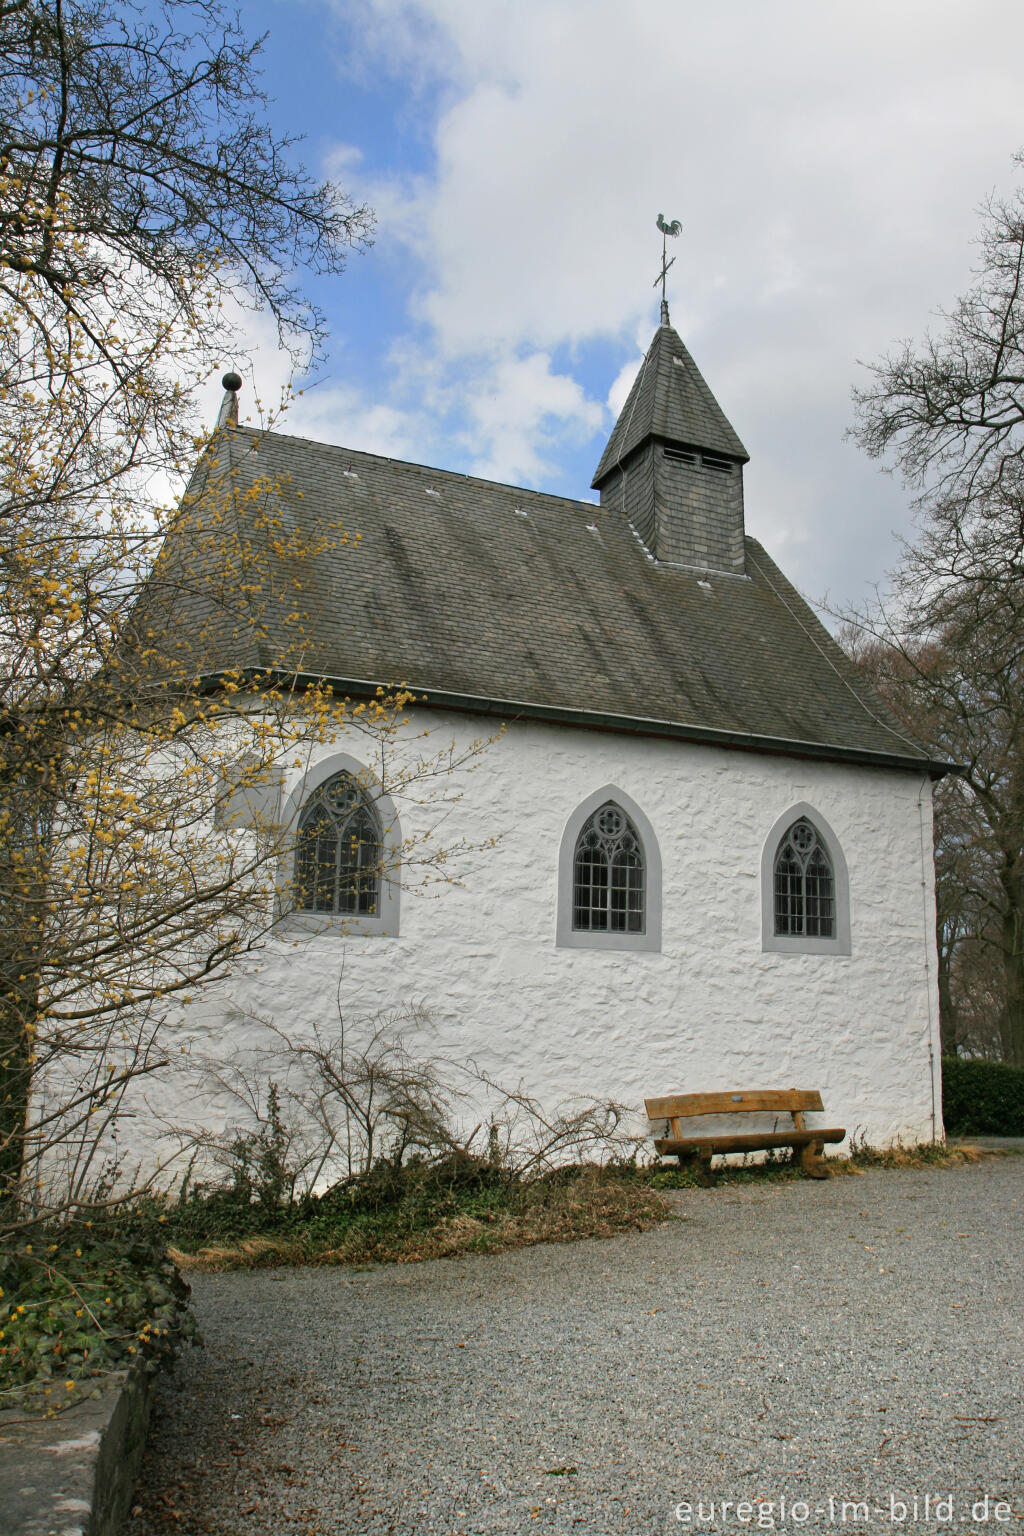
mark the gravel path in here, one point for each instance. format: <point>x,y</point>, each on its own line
<point>856,1339</point>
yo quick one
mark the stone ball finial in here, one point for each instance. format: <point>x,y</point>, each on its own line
<point>232,382</point>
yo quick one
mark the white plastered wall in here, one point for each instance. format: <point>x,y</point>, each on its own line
<point>710,1010</point>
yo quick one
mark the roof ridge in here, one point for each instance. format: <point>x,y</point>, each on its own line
<point>433,469</point>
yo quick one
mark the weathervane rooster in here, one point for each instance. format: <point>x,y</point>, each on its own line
<point>672,228</point>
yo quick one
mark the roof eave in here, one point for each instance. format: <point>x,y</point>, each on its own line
<point>589,719</point>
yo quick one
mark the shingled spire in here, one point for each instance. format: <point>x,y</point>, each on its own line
<point>674,465</point>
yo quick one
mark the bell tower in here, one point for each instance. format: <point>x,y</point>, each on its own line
<point>673,465</point>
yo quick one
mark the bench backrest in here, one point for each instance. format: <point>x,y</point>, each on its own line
<point>684,1105</point>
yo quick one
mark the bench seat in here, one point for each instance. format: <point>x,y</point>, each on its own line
<point>752,1141</point>
<point>699,1150</point>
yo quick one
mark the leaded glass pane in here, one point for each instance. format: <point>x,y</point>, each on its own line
<point>608,874</point>
<point>820,900</point>
<point>627,892</point>
<point>337,861</point>
<point>789,894</point>
<point>315,862</point>
<point>590,885</point>
<point>359,857</point>
<point>804,886</point>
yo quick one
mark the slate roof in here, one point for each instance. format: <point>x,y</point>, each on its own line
<point>521,603</point>
<point>671,400</point>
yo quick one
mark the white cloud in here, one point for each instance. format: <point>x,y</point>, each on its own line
<point>825,161</point>
<point>522,412</point>
<point>623,383</point>
<point>793,148</point>
<point>505,417</point>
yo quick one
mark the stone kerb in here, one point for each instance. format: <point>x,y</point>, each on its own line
<point>74,1474</point>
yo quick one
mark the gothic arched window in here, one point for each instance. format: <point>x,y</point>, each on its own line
<point>608,874</point>
<point>804,885</point>
<point>339,849</point>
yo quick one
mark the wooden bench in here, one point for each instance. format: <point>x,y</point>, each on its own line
<point>699,1150</point>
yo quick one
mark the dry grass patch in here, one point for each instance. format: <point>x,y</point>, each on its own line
<point>413,1213</point>
<point>780,1168</point>
<point>926,1155</point>
<point>559,1208</point>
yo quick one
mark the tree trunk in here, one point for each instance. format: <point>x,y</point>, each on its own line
<point>26,811</point>
<point>15,1080</point>
<point>948,1022</point>
<point>1013,962</point>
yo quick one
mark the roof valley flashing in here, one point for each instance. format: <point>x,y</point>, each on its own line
<point>488,597</point>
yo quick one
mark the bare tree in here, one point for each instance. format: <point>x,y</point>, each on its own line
<point>138,173</point>
<point>962,711</point>
<point>140,189</point>
<point>949,416</point>
<point>949,411</point>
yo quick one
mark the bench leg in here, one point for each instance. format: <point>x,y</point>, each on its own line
<point>700,1163</point>
<point>811,1160</point>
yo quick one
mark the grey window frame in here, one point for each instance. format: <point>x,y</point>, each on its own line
<point>568,937</point>
<point>801,944</point>
<point>385,922</point>
<point>355,838</point>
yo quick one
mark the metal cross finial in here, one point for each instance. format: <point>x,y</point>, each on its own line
<point>673,228</point>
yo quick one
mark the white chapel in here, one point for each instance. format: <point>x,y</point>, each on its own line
<point>702,848</point>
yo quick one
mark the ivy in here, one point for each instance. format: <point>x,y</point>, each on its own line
<point>78,1305</point>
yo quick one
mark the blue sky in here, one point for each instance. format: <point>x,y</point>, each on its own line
<point>826,161</point>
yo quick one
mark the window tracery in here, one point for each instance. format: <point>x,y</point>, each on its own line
<point>339,851</point>
<point>608,874</point>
